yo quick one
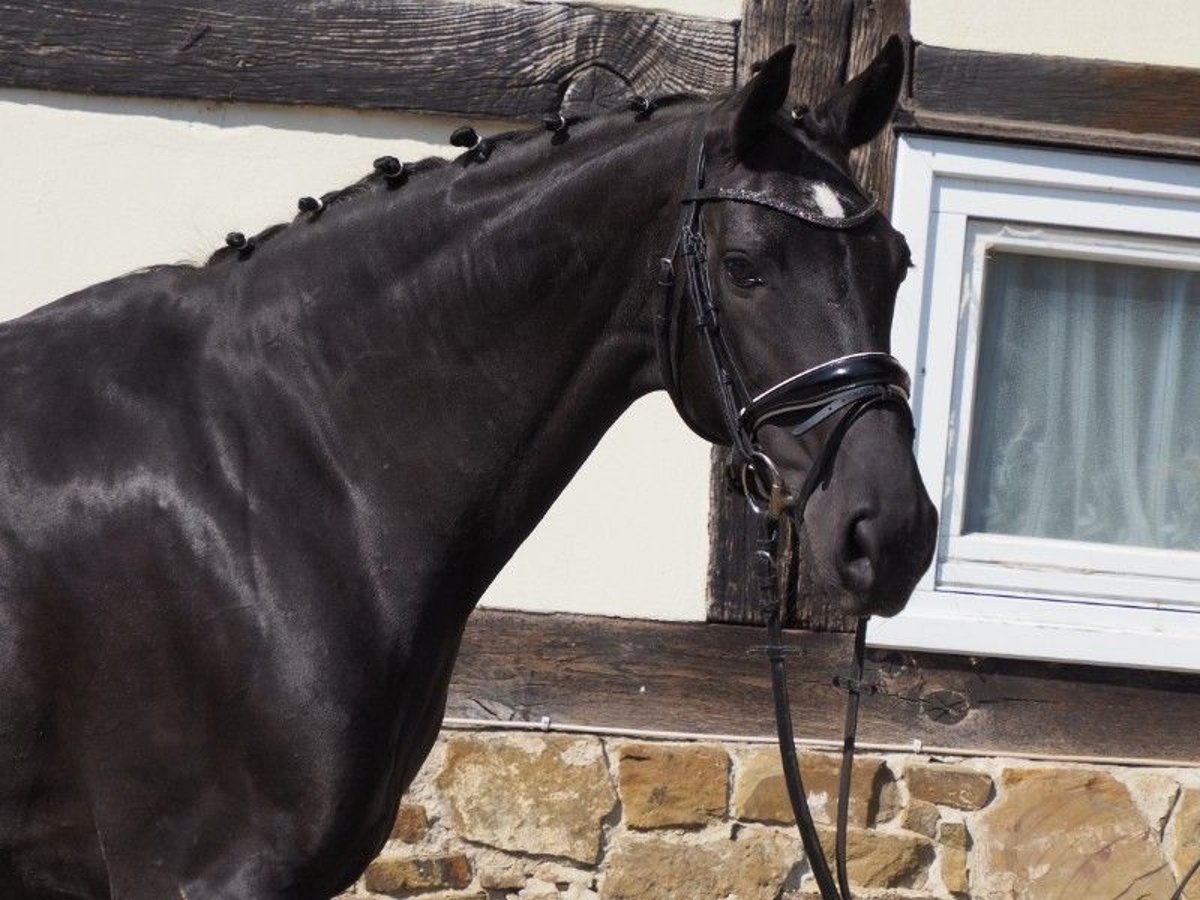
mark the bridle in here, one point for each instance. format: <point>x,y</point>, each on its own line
<point>847,386</point>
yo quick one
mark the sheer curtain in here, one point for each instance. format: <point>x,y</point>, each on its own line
<point>1086,418</point>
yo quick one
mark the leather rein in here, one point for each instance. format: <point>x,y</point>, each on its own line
<point>847,386</point>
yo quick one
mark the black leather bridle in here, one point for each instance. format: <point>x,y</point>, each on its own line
<point>847,386</point>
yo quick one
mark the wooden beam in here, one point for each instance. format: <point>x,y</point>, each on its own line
<point>821,32</point>
<point>469,57</point>
<point>835,40</point>
<point>820,29</point>
<point>874,22</point>
<point>711,679</point>
<point>1057,101</point>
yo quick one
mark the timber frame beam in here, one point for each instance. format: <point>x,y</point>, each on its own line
<point>709,679</point>
<point>705,678</point>
<point>1080,104</point>
<point>495,58</point>
<point>507,59</point>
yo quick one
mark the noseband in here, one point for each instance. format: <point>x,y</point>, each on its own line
<point>847,386</point>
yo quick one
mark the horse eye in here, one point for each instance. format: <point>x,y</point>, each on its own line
<point>740,271</point>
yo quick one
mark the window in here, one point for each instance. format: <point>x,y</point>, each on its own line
<point>1053,329</point>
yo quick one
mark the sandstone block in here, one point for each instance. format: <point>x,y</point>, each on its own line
<point>954,786</point>
<point>401,874</point>
<point>760,794</point>
<point>561,875</point>
<point>540,794</point>
<point>501,878</point>
<point>664,785</point>
<point>955,841</point>
<point>954,834</point>
<point>879,859</point>
<point>1155,795</point>
<point>411,825</point>
<point>1186,844</point>
<point>955,874</point>
<point>646,867</point>
<point>1059,833</point>
<point>890,800</point>
<point>920,816</point>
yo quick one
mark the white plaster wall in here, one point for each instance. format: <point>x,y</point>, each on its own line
<point>1160,32</point>
<point>629,536</point>
<point>95,187</point>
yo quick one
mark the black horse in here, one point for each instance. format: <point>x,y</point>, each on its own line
<point>246,508</point>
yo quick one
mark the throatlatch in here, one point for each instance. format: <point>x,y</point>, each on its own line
<point>847,387</point>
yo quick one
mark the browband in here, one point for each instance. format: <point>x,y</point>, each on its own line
<point>816,208</point>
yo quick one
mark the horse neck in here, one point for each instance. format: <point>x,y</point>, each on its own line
<point>478,330</point>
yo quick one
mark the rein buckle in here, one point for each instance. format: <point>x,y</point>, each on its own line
<point>764,487</point>
<point>666,272</point>
<point>856,685</point>
<point>775,651</point>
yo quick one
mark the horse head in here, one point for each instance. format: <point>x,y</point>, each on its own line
<point>791,266</point>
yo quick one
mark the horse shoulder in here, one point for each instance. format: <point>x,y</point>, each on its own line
<point>200,659</point>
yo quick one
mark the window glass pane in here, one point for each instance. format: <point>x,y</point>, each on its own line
<point>1086,418</point>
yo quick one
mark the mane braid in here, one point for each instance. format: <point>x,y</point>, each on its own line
<point>375,180</point>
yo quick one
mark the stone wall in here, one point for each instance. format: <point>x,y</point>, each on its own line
<point>543,816</point>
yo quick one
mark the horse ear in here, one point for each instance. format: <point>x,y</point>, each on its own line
<point>759,101</point>
<point>861,107</point>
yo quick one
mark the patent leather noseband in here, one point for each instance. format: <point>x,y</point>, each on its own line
<point>846,386</point>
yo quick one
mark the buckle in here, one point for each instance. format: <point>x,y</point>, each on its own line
<point>855,685</point>
<point>764,488</point>
<point>666,272</point>
<point>774,651</point>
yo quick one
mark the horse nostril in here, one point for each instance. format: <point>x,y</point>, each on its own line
<point>857,562</point>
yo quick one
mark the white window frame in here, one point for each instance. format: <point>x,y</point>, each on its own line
<point>1007,595</point>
